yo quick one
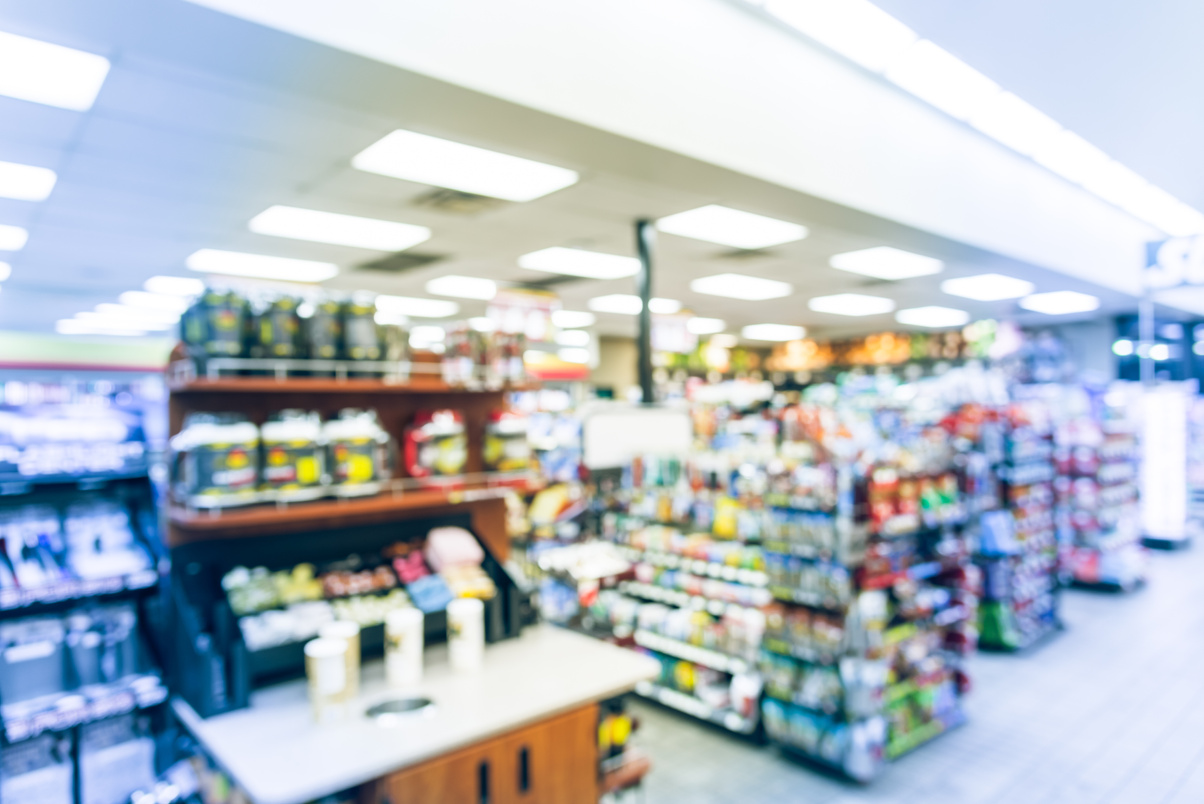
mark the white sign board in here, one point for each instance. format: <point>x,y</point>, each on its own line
<point>1164,463</point>
<point>614,434</point>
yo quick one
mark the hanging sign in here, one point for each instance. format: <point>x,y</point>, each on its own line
<point>1174,262</point>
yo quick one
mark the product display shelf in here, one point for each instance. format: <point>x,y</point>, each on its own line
<point>690,705</point>
<point>1018,545</point>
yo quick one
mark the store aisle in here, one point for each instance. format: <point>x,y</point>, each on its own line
<point>1109,712</point>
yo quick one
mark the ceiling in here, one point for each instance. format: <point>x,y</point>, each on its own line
<point>1123,75</point>
<point>205,120</point>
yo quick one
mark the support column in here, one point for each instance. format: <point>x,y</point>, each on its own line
<point>645,243</point>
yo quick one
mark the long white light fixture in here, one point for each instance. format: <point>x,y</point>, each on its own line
<point>12,238</point>
<point>462,287</point>
<point>627,304</point>
<point>259,266</point>
<point>852,304</point>
<point>430,160</point>
<point>26,182</point>
<point>573,319</point>
<point>113,321</point>
<point>773,332</point>
<point>987,287</point>
<point>884,262</point>
<point>933,317</point>
<point>174,286</point>
<point>417,307</point>
<point>573,337</point>
<point>40,72</point>
<point>731,227</point>
<point>741,286</point>
<point>869,36</point>
<point>1060,302</point>
<point>705,326</point>
<point>579,262</point>
<point>342,230</point>
<point>145,300</point>
<point>125,312</point>
<point>74,326</point>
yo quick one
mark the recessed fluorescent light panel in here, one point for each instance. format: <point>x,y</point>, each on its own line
<point>40,72</point>
<point>174,285</point>
<point>1060,302</point>
<point>856,29</point>
<point>731,227</point>
<point>462,287</point>
<point>987,287</point>
<point>705,326</point>
<point>482,324</point>
<point>341,230</point>
<point>933,317</point>
<point>948,83</point>
<point>141,315</point>
<point>853,304</point>
<point>73,326</point>
<point>1015,123</point>
<point>884,262</point>
<point>573,319</point>
<point>12,238</point>
<point>741,286</point>
<point>144,300</point>
<point>1071,157</point>
<point>259,266</point>
<point>579,262</point>
<point>573,337</point>
<point>25,182</point>
<point>416,307</point>
<point>430,160</point>
<point>100,320</point>
<point>627,304</point>
<point>773,332</point>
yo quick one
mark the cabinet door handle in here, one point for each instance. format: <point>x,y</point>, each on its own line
<point>483,782</point>
<point>524,769</point>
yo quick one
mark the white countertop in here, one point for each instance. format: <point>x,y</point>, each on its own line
<point>276,753</point>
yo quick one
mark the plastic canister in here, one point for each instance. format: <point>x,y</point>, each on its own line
<point>361,341</point>
<point>436,445</point>
<point>357,445</point>
<point>215,461</point>
<point>214,325</point>
<point>506,446</point>
<point>294,456</point>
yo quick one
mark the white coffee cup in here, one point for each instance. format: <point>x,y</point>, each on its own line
<point>403,647</point>
<point>466,633</point>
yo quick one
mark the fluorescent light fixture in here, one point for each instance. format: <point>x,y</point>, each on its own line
<point>1071,157</point>
<point>482,324</point>
<point>987,287</point>
<point>571,355</point>
<point>572,319</point>
<point>1162,210</point>
<point>462,287</point>
<point>381,317</point>
<point>948,83</point>
<point>73,326</point>
<point>153,301</point>
<point>884,262</point>
<point>6,271</point>
<point>731,227</point>
<point>423,337</point>
<point>854,304</point>
<point>664,306</point>
<point>741,286</point>
<point>724,340</point>
<point>109,320</point>
<point>705,326</point>
<point>573,337</point>
<point>579,262</point>
<point>1160,351</point>
<point>773,332</point>
<point>417,308</point>
<point>1197,348</point>
<point>933,317</point>
<point>1060,302</point>
<point>1015,123</point>
<point>25,182</point>
<point>430,160</point>
<point>122,312</point>
<point>1116,184</point>
<point>621,303</point>
<point>341,230</point>
<point>40,72</point>
<point>856,29</point>
<point>12,238</point>
<point>1122,348</point>
<point>174,285</point>
<point>259,266</point>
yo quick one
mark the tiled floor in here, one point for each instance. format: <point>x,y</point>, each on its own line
<point>1109,712</point>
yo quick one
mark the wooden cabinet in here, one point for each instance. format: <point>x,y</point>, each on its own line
<point>551,762</point>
